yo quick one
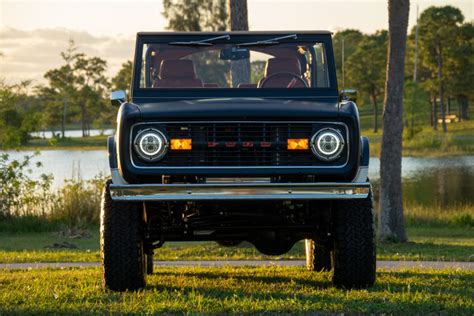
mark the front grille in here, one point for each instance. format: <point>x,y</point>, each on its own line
<point>218,144</point>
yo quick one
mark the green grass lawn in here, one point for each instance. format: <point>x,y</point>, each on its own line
<point>236,290</point>
<point>433,243</point>
<point>458,141</point>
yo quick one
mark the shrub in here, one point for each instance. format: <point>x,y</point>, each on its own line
<point>26,204</point>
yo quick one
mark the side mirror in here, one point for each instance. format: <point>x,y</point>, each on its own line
<point>118,97</point>
<point>348,95</point>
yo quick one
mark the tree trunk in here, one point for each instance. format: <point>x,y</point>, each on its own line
<point>463,104</point>
<point>441,85</point>
<point>375,112</point>
<point>240,69</point>
<point>391,220</point>
<point>430,100</point>
<point>63,121</point>
<point>448,106</point>
<point>435,113</point>
<point>83,120</point>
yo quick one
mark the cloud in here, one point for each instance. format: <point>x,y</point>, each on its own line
<point>29,54</point>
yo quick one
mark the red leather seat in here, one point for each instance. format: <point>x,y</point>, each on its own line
<point>177,73</point>
<point>274,65</point>
<point>289,66</point>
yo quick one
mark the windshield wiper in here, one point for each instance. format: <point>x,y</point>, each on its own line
<point>204,42</point>
<point>270,41</point>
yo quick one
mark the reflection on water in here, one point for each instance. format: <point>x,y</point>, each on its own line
<point>65,164</point>
<point>442,181</point>
<point>72,133</point>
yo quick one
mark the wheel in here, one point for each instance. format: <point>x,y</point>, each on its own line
<point>354,243</point>
<point>318,257</point>
<point>149,264</point>
<point>121,244</point>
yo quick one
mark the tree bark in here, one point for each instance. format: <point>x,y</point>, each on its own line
<point>240,69</point>
<point>439,56</point>
<point>463,104</point>
<point>63,120</point>
<point>431,101</point>
<point>435,113</point>
<point>374,104</point>
<point>391,220</point>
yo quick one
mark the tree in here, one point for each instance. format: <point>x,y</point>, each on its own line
<point>391,220</point>
<point>366,68</point>
<point>460,68</point>
<point>16,119</point>
<point>79,86</point>
<point>61,89</point>
<point>351,39</point>
<point>192,15</point>
<point>437,28</point>
<point>415,105</point>
<point>92,85</point>
<point>240,69</point>
<point>123,78</point>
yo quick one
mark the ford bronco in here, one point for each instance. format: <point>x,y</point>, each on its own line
<point>231,137</point>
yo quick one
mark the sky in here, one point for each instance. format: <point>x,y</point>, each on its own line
<point>34,32</point>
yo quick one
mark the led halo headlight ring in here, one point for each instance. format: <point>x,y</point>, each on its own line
<point>327,144</point>
<point>151,144</point>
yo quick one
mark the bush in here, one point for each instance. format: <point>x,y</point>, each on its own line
<point>27,204</point>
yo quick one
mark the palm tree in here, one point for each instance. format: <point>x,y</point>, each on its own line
<point>391,220</point>
<point>240,69</point>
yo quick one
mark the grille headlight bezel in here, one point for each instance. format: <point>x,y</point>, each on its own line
<point>151,144</point>
<point>327,144</point>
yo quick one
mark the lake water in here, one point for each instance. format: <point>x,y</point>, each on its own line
<point>443,180</point>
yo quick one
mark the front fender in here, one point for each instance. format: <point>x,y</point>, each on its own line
<point>117,178</point>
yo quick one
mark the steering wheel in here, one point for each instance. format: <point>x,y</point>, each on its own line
<point>283,80</point>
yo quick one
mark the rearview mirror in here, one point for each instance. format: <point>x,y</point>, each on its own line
<point>118,97</point>
<point>234,53</point>
<point>348,95</point>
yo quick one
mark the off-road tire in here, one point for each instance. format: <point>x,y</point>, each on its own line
<point>149,264</point>
<point>354,243</point>
<point>318,257</point>
<point>121,244</point>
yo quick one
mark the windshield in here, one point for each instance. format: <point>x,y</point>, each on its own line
<point>263,64</point>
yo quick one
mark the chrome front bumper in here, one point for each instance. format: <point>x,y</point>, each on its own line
<point>240,191</point>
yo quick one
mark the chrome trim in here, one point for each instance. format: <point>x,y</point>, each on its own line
<point>117,177</point>
<point>362,174</point>
<point>240,167</point>
<point>240,191</point>
<point>215,180</point>
<point>118,95</point>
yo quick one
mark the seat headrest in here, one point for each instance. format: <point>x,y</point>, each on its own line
<point>177,69</point>
<point>274,65</point>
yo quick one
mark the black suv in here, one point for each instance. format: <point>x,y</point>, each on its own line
<point>237,136</point>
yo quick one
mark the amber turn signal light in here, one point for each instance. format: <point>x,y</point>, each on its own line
<point>298,144</point>
<point>182,144</point>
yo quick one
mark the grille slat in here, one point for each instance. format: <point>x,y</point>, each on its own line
<point>269,144</point>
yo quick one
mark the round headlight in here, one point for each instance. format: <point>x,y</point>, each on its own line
<point>151,144</point>
<point>327,144</point>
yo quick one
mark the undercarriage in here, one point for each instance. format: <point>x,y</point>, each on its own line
<point>273,227</point>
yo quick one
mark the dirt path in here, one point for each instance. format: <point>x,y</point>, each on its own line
<point>391,265</point>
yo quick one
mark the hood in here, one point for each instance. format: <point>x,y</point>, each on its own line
<point>240,108</point>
